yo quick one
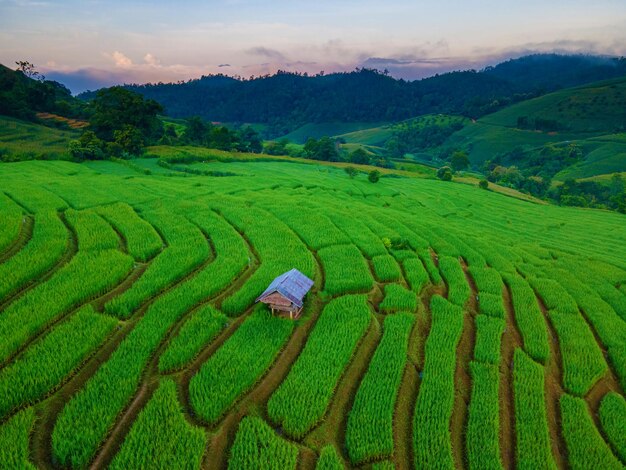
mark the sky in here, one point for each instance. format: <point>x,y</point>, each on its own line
<point>87,44</point>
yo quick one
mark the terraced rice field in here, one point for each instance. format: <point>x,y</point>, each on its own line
<point>490,334</point>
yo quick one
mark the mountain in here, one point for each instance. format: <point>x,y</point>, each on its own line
<point>286,101</point>
<point>23,97</point>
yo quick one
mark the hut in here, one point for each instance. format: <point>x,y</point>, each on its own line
<point>286,293</point>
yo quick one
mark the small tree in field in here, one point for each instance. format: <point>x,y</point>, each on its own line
<point>351,171</point>
<point>459,161</point>
<point>483,184</point>
<point>444,173</point>
<point>373,176</point>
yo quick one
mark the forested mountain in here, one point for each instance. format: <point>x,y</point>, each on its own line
<point>287,100</point>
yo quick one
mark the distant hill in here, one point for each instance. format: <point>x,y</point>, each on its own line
<point>23,97</point>
<point>591,116</point>
<point>286,101</point>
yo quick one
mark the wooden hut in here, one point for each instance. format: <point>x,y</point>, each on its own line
<point>286,293</point>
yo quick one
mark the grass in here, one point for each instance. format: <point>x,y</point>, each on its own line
<point>483,423</point>
<point>585,445</point>
<point>432,446</point>
<point>346,270</point>
<point>161,437</point>
<point>532,447</point>
<point>14,437</point>
<point>386,268</point>
<point>369,432</point>
<point>302,399</point>
<point>43,250</point>
<point>237,365</point>
<point>250,228</point>
<point>257,446</point>
<point>198,331</point>
<point>613,416</point>
<point>397,298</point>
<point>44,365</point>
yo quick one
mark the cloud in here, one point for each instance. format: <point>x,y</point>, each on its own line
<point>268,53</point>
<point>120,60</point>
<point>151,60</point>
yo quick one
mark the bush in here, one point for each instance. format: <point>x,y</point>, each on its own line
<point>483,184</point>
<point>373,176</point>
<point>444,173</point>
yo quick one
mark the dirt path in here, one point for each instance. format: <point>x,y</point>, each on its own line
<point>554,390</point>
<point>511,339</point>
<point>23,237</point>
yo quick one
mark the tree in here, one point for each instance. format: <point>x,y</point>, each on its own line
<point>195,132</point>
<point>117,107</point>
<point>323,149</point>
<point>459,161</point>
<point>351,171</point>
<point>359,157</point>
<point>444,173</point>
<point>129,139</point>
<point>483,184</point>
<point>87,147</point>
<point>617,184</point>
<point>29,70</point>
<point>373,176</point>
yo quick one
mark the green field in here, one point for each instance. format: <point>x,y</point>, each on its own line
<point>448,326</point>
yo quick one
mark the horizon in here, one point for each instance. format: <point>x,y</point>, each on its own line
<point>88,45</point>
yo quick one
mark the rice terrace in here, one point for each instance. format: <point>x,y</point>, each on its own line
<point>307,270</point>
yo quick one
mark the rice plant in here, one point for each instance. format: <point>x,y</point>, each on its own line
<point>238,364</point>
<point>345,269</point>
<point>483,422</point>
<point>161,437</point>
<point>329,459</point>
<point>432,447</point>
<point>370,244</point>
<point>198,331</point>
<point>142,241</point>
<point>613,416</point>
<point>302,399</point>
<point>397,299</point>
<point>86,276</point>
<point>415,274</point>
<point>12,219</point>
<point>369,432</point>
<point>529,319</point>
<point>583,361</point>
<point>187,249</point>
<point>257,447</point>
<point>585,446</point>
<point>14,441</point>
<point>532,446</point>
<point>42,251</point>
<point>266,233</point>
<point>386,268</point>
<point>458,288</point>
<point>86,418</point>
<point>488,339</point>
<point>92,231</point>
<point>44,365</point>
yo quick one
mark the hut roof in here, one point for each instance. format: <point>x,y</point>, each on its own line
<point>293,285</point>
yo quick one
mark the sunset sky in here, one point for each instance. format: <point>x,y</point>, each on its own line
<point>90,43</point>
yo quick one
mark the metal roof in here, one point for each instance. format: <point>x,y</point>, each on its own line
<point>292,285</point>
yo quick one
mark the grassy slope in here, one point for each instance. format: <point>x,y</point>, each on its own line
<point>594,116</point>
<point>20,137</point>
<point>316,131</point>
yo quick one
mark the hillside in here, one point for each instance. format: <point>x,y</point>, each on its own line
<point>286,101</point>
<point>436,307</point>
<point>592,117</point>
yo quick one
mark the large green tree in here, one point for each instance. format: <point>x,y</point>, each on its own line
<point>115,108</point>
